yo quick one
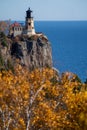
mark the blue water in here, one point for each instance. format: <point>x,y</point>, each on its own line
<point>69,45</point>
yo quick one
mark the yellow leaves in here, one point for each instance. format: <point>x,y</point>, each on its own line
<point>1,95</point>
<point>21,121</point>
<point>44,115</point>
<point>72,106</point>
<point>85,95</point>
<point>14,92</point>
<point>26,96</point>
<point>83,119</point>
<point>3,106</point>
<point>16,129</point>
<point>56,105</point>
<point>82,116</point>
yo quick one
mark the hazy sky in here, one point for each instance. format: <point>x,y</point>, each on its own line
<point>44,9</point>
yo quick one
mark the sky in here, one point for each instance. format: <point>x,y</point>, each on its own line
<point>59,10</point>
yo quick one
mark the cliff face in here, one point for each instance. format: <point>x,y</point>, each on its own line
<point>34,52</point>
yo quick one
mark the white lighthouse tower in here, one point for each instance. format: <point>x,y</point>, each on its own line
<point>29,25</point>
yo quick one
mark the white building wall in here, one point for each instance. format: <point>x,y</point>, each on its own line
<point>30,30</point>
<point>17,33</point>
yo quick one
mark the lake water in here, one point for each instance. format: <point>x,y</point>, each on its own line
<point>69,45</point>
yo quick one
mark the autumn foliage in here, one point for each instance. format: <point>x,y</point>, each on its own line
<point>42,100</point>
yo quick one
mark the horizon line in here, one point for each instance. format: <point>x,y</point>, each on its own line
<point>48,20</point>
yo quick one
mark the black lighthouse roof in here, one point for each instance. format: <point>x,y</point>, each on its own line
<point>28,13</point>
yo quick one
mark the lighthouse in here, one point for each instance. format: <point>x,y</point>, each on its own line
<point>18,29</point>
<point>29,25</point>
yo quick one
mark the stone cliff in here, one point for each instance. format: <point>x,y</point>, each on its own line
<point>32,52</point>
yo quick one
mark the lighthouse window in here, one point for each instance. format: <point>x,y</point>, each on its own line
<point>29,24</point>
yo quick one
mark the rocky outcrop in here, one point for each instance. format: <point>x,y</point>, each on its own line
<point>32,52</point>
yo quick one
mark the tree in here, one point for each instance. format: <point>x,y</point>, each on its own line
<point>3,26</point>
<point>41,100</point>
